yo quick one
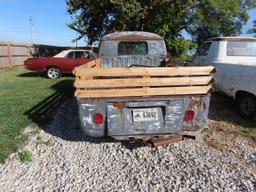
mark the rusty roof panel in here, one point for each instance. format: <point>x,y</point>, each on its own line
<point>131,35</point>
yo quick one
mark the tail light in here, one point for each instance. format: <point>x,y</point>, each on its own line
<point>98,118</point>
<point>189,115</point>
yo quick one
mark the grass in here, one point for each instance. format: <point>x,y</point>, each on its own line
<point>26,98</point>
<point>25,156</point>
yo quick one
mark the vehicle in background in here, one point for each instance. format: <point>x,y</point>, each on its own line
<point>129,93</point>
<point>63,62</point>
<point>235,61</point>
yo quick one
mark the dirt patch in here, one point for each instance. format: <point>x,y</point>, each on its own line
<point>224,119</point>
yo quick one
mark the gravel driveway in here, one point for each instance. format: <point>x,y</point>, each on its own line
<point>70,161</point>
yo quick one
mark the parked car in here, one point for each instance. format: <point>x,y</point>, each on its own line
<point>129,94</point>
<point>63,62</point>
<point>235,61</point>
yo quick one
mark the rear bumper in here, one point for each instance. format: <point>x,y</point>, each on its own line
<point>119,123</point>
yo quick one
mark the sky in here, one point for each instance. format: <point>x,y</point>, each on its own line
<point>49,18</point>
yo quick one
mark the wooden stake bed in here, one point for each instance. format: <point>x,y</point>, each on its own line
<point>95,82</point>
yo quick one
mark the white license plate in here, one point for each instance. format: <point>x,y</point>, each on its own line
<point>149,114</point>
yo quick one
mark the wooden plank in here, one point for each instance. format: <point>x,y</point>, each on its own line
<point>143,92</point>
<point>97,62</point>
<point>156,71</point>
<point>86,66</point>
<point>133,82</point>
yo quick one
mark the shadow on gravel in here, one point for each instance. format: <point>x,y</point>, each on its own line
<point>223,108</point>
<point>58,116</point>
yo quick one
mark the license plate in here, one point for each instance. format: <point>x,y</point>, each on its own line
<point>149,114</point>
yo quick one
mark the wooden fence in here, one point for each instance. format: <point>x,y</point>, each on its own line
<point>12,54</point>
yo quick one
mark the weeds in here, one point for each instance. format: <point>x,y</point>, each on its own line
<point>41,141</point>
<point>25,156</point>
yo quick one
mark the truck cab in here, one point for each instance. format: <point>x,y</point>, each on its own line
<point>132,49</point>
<point>128,93</point>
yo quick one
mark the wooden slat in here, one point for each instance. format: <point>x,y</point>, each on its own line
<point>140,82</point>
<point>97,62</point>
<point>156,71</point>
<point>90,64</point>
<point>143,92</point>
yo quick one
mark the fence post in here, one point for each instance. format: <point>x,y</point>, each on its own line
<point>28,51</point>
<point>9,55</point>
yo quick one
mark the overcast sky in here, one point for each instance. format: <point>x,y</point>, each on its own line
<point>49,22</point>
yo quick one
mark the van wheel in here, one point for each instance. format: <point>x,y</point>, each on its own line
<point>53,73</point>
<point>247,105</point>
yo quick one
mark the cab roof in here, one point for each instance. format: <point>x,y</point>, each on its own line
<point>131,35</point>
<point>233,39</point>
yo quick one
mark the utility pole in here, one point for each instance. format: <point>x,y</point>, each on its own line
<point>31,30</point>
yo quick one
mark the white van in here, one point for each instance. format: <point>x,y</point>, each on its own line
<point>235,61</point>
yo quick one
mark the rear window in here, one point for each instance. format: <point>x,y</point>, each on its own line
<point>132,48</point>
<point>241,49</point>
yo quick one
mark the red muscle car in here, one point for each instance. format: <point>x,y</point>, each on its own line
<point>63,62</point>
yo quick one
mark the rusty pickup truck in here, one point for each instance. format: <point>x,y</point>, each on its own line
<point>128,93</point>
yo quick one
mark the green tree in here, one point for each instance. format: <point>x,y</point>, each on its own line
<point>95,18</point>
<point>180,47</point>
<point>253,30</point>
<point>201,18</point>
<point>213,18</point>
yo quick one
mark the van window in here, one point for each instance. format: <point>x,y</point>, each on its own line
<point>132,48</point>
<point>241,49</point>
<point>204,49</point>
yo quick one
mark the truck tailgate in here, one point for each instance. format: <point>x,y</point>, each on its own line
<point>155,117</point>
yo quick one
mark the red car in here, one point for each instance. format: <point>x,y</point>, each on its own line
<point>64,62</point>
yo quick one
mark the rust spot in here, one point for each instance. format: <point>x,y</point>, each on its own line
<point>120,106</point>
<point>194,103</point>
<point>192,127</point>
<point>195,125</point>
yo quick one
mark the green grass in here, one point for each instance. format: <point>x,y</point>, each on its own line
<point>26,98</point>
<point>25,156</point>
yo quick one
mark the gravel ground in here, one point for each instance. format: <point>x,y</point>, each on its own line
<point>66,160</point>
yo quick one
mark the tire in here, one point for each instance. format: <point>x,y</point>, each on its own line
<point>246,104</point>
<point>53,73</point>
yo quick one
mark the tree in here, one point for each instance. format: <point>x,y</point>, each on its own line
<point>95,18</point>
<point>213,18</point>
<point>201,18</point>
<point>253,30</point>
<point>180,47</point>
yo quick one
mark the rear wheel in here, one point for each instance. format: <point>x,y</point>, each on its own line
<point>53,73</point>
<point>247,105</point>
